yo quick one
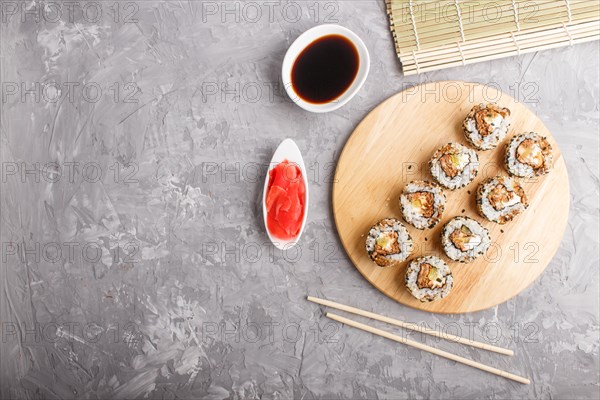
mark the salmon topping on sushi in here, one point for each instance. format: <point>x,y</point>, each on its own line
<point>429,277</point>
<point>453,164</point>
<point>487,119</point>
<point>486,126</point>
<point>500,198</point>
<point>422,203</point>
<point>464,239</point>
<point>530,152</point>
<point>387,243</point>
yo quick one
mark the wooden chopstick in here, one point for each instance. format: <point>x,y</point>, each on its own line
<point>429,349</point>
<point>414,327</point>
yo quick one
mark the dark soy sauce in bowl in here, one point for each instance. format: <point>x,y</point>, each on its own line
<point>325,69</point>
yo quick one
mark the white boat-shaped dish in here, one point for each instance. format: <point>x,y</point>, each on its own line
<point>287,150</point>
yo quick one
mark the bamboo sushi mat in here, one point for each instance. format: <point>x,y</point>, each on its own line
<point>436,34</point>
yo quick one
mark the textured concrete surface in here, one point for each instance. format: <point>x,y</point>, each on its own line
<point>134,260</point>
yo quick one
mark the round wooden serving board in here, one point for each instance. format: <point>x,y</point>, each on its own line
<point>392,146</point>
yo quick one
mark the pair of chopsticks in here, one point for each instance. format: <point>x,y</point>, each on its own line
<point>418,345</point>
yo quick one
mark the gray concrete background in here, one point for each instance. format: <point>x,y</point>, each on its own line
<point>135,263</point>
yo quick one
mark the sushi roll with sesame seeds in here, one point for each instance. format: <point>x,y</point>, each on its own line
<point>528,155</point>
<point>501,199</point>
<point>422,204</point>
<point>486,126</point>
<point>389,243</point>
<point>465,239</point>
<point>428,278</point>
<point>454,166</point>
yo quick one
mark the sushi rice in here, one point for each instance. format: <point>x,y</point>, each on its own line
<point>465,239</point>
<point>500,199</point>
<point>422,204</point>
<point>486,126</point>
<point>528,155</point>
<point>389,243</point>
<point>454,166</point>
<point>428,278</point>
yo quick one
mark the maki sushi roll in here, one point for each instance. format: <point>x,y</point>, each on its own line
<point>428,278</point>
<point>389,243</point>
<point>528,155</point>
<point>454,166</point>
<point>486,126</point>
<point>500,199</point>
<point>464,239</point>
<point>422,204</point>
